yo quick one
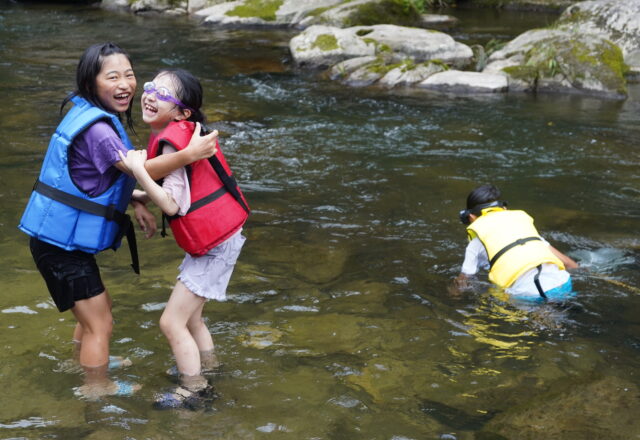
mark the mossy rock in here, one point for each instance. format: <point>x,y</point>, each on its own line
<point>384,12</point>
<point>264,9</point>
<point>326,42</point>
<point>585,63</point>
<point>372,12</point>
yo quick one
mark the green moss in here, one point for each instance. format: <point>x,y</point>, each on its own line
<point>438,62</point>
<point>524,73</point>
<point>609,55</point>
<point>326,42</point>
<point>380,48</point>
<point>408,65</point>
<point>319,11</point>
<point>379,67</point>
<point>264,9</point>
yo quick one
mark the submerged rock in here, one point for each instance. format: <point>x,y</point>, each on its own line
<point>610,403</point>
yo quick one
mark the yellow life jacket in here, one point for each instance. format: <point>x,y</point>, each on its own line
<point>512,243</point>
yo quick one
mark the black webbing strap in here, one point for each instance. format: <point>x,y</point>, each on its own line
<point>202,202</point>
<point>228,181</point>
<point>502,251</point>
<point>109,212</point>
<point>536,281</point>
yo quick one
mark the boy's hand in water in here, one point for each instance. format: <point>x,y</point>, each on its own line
<point>134,160</point>
<point>459,284</point>
<point>202,147</point>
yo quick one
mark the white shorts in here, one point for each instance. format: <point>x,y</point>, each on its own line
<point>551,277</point>
<point>208,276</point>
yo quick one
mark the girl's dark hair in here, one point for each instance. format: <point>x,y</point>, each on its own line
<point>189,91</point>
<point>87,71</point>
<point>483,194</point>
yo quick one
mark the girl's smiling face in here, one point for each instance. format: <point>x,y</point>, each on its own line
<point>116,83</point>
<point>158,113</point>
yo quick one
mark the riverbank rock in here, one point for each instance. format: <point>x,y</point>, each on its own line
<point>610,403</point>
<point>173,7</point>
<point>304,13</point>
<point>466,82</point>
<point>278,13</point>
<point>618,21</point>
<point>368,13</point>
<point>560,60</point>
<point>324,46</point>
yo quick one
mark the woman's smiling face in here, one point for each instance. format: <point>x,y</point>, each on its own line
<point>116,83</point>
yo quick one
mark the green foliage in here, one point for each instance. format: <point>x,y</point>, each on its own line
<point>422,6</point>
<point>383,12</point>
<point>493,45</point>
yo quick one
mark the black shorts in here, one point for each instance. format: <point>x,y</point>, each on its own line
<point>70,275</point>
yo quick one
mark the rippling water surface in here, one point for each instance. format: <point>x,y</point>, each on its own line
<point>339,323</point>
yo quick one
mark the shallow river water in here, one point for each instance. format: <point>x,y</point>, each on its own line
<point>339,322</point>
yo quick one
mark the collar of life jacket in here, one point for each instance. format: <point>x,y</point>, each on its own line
<point>481,209</point>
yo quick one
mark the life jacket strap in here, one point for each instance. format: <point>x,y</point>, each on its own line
<point>202,202</point>
<point>536,281</point>
<point>108,212</point>
<point>229,182</point>
<point>510,246</point>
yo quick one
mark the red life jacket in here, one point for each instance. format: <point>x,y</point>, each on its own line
<point>218,208</point>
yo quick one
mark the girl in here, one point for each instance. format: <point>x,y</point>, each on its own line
<point>81,181</point>
<point>206,212</point>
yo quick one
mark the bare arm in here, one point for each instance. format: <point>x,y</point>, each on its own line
<point>200,147</point>
<point>135,161</point>
<point>568,262</point>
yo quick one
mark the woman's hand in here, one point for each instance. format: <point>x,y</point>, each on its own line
<point>145,218</point>
<point>202,147</point>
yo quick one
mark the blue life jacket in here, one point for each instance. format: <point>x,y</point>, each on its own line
<point>62,214</point>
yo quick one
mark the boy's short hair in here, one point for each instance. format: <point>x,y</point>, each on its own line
<point>483,194</point>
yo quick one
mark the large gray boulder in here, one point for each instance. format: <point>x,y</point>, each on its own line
<point>615,20</point>
<point>562,60</point>
<point>323,46</point>
<point>265,13</point>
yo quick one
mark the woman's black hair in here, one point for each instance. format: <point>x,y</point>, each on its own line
<point>483,194</point>
<point>87,71</point>
<point>189,91</point>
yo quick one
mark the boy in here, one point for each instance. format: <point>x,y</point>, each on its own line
<point>507,244</point>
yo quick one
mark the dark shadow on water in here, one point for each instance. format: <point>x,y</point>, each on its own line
<point>453,417</point>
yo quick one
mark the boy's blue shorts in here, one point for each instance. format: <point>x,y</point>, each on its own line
<point>560,293</point>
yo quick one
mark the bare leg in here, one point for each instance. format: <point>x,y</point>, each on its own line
<point>78,332</point>
<point>182,305</point>
<point>95,325</point>
<point>204,340</point>
<point>199,330</point>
